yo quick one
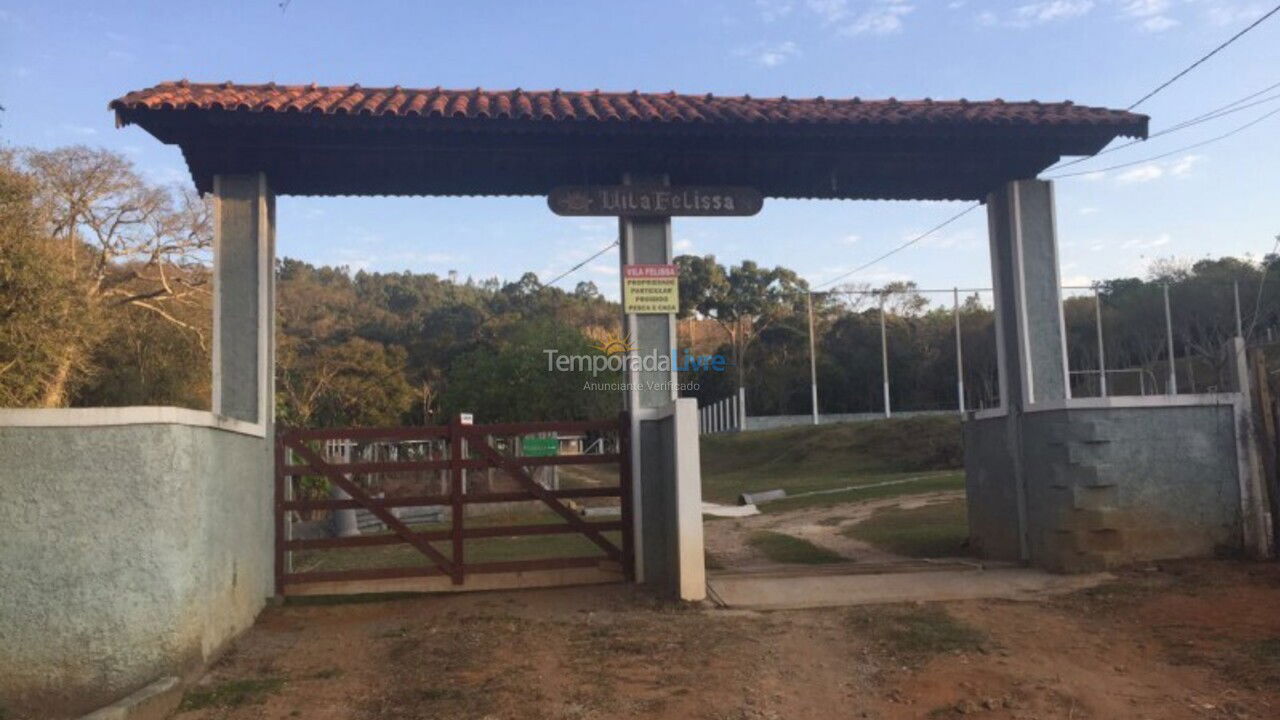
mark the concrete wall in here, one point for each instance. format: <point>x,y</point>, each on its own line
<point>130,551</point>
<point>770,422</point>
<point>1107,485</point>
<point>991,494</point>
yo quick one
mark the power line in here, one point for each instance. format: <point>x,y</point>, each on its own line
<point>1204,58</point>
<point>577,267</point>
<point>1213,114</point>
<point>904,245</point>
<point>1193,146</point>
<point>1220,112</point>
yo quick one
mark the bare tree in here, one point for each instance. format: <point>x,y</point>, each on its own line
<point>126,242</point>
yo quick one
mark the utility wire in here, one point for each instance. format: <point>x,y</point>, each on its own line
<point>1193,146</point>
<point>1229,109</point>
<point>577,267</point>
<point>1204,58</point>
<point>904,245</point>
<point>1207,116</point>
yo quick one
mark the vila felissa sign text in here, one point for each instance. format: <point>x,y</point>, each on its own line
<point>654,200</point>
<point>650,289</point>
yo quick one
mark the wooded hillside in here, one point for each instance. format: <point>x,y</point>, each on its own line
<point>105,300</point>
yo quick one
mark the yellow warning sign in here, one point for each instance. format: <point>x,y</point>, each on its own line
<point>650,289</point>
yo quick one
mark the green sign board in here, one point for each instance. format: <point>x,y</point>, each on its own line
<point>540,446</point>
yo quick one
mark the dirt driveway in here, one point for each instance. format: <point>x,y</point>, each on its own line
<point>1195,640</point>
<point>727,539</point>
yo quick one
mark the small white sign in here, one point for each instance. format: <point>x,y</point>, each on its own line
<point>465,419</point>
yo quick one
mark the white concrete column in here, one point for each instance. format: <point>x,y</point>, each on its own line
<point>243,297</point>
<point>644,241</point>
<point>1030,332</point>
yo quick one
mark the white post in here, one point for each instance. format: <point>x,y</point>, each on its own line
<point>884,359</point>
<point>1235,288</point>
<point>1102,353</point>
<point>1168,329</point>
<point>742,408</point>
<point>813,362</point>
<point>955,297</point>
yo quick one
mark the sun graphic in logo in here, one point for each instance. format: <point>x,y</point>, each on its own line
<point>611,343</point>
<point>576,202</point>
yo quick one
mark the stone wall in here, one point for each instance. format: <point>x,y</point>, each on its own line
<point>1108,486</point>
<point>130,552</point>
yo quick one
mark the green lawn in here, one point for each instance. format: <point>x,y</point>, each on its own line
<point>926,532</point>
<point>783,548</point>
<point>806,458</point>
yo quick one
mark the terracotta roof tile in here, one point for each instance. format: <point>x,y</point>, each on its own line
<point>609,107</point>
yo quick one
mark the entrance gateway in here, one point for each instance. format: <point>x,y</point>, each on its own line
<point>1044,484</point>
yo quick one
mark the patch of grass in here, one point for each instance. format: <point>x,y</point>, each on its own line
<point>783,548</point>
<point>938,530</point>
<point>804,458</point>
<point>232,693</point>
<point>1267,652</point>
<point>914,634</point>
<point>711,561</point>
<point>867,489</point>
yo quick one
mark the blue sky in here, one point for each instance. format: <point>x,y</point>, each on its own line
<point>60,63</point>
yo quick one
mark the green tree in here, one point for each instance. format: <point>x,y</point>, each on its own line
<point>510,380</point>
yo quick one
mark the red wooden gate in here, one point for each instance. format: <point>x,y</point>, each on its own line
<point>412,459</point>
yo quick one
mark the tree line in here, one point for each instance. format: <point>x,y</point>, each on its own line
<point>105,300</point>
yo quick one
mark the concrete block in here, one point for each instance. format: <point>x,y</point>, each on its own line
<point>153,702</point>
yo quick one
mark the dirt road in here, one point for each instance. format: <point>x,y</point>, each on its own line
<point>1195,640</point>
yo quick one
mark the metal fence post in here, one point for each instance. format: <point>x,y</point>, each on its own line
<point>955,297</point>
<point>742,408</point>
<point>1168,329</point>
<point>884,359</point>
<point>813,362</point>
<point>1102,353</point>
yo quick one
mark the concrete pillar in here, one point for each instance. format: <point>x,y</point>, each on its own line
<point>648,240</point>
<point>243,297</point>
<point>1031,355</point>
<point>1030,332</point>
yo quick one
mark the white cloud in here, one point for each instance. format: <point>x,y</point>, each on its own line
<point>1147,243</point>
<point>1039,13</point>
<point>851,239</point>
<point>1147,172</point>
<point>1141,174</point>
<point>883,19</point>
<point>1229,12</point>
<point>775,55</point>
<point>1088,211</point>
<point>1151,14</point>
<point>81,130</point>
<point>829,10</point>
<point>771,10</point>
<point>1182,167</point>
<point>682,245</point>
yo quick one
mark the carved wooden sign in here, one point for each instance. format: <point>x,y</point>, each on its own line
<point>655,201</point>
